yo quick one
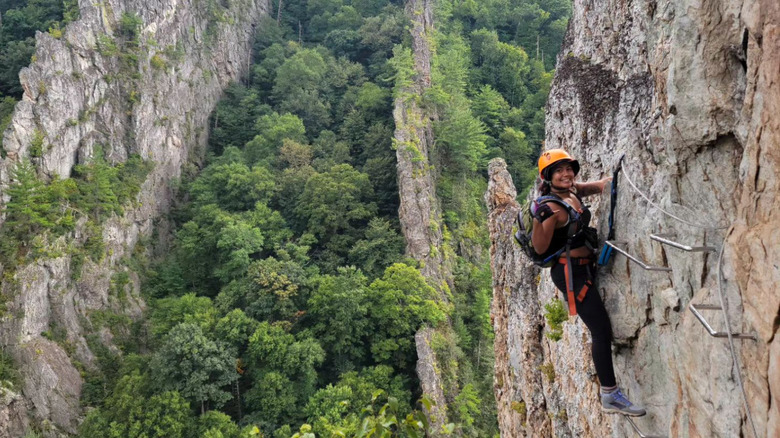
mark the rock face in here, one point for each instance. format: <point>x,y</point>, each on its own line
<point>687,90</point>
<point>104,83</point>
<point>518,380</point>
<point>13,415</point>
<point>420,209</point>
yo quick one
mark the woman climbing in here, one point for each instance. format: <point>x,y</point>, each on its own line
<point>564,230</point>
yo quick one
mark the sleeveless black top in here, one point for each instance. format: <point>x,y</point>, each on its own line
<point>561,235</point>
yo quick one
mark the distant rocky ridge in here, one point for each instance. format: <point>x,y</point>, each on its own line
<point>688,92</point>
<point>83,92</point>
<point>420,211</point>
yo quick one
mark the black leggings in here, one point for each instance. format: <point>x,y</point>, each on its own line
<point>592,312</point>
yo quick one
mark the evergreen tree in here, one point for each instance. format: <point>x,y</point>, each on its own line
<point>7,105</point>
<point>491,108</point>
<point>232,120</point>
<point>97,181</point>
<point>20,21</point>
<point>381,247</point>
<point>29,211</point>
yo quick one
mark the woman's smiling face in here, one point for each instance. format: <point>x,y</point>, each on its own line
<point>563,176</point>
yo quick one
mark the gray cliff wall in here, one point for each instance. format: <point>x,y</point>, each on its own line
<point>420,210</point>
<point>688,90</point>
<point>80,95</point>
<point>420,207</point>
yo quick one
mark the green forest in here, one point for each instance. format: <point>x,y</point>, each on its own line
<point>284,305</point>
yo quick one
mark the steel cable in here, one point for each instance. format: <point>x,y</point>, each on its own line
<point>706,227</point>
<point>735,362</point>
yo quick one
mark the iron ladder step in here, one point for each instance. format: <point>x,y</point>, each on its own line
<point>636,260</point>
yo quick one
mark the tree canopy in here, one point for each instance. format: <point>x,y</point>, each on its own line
<point>282,303</point>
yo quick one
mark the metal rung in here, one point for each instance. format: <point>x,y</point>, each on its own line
<point>637,261</point>
<point>639,432</point>
<point>695,310</point>
<point>662,239</point>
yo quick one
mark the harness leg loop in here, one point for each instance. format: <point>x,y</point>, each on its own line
<point>569,276</point>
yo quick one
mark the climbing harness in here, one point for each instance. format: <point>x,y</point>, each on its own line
<point>525,218</point>
<point>606,251</point>
<point>568,261</point>
<point>575,228</point>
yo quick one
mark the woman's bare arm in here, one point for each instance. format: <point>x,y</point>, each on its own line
<point>593,187</point>
<point>542,234</point>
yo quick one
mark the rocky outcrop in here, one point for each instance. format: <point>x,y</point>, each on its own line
<point>518,381</point>
<point>429,372</point>
<point>420,209</point>
<point>129,77</point>
<point>687,91</point>
<point>13,414</point>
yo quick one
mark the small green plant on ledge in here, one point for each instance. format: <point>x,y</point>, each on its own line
<point>548,369</point>
<point>555,314</point>
<point>55,30</point>
<point>157,62</point>
<point>521,409</point>
<point>130,27</point>
<point>36,144</point>
<point>107,46</point>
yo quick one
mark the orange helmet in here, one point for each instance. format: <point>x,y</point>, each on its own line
<point>549,158</point>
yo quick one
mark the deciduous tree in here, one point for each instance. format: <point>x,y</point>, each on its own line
<point>195,366</point>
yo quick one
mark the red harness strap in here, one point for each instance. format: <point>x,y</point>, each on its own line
<point>569,290</point>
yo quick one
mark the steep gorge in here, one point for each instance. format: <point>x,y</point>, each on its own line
<point>103,86</point>
<point>687,91</point>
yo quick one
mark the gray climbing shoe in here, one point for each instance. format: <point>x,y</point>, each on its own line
<point>616,402</point>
